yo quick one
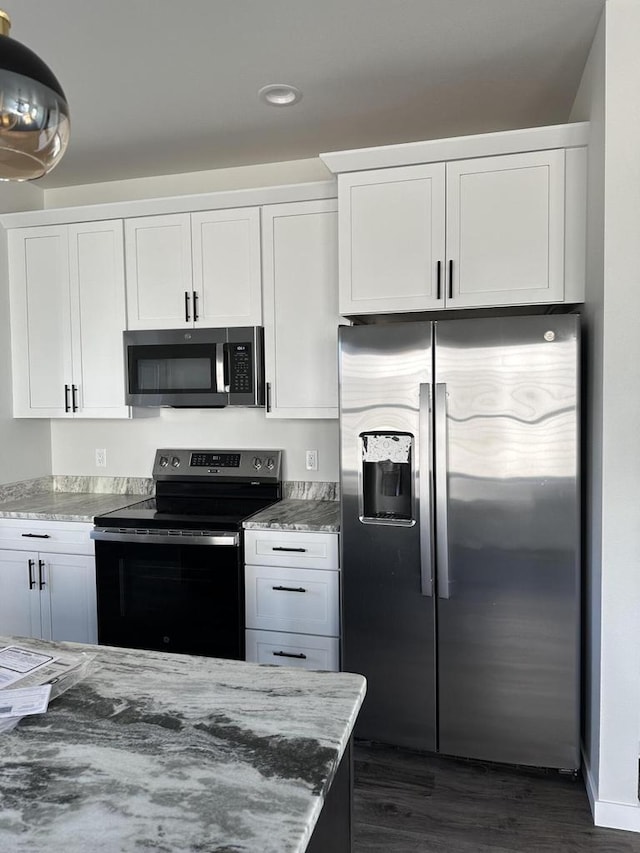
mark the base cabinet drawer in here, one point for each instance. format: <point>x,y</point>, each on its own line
<point>291,548</point>
<point>303,601</point>
<point>300,650</point>
<point>57,537</point>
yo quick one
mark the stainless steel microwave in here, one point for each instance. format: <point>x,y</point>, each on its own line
<point>195,368</point>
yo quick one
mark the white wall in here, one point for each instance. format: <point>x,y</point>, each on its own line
<point>131,445</point>
<point>25,450</point>
<point>614,408</point>
<point>590,106</point>
<point>215,180</point>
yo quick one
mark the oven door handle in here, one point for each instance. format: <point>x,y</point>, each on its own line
<point>179,537</point>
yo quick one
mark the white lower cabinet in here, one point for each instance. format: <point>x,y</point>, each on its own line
<point>301,650</point>
<point>292,599</point>
<point>46,594</point>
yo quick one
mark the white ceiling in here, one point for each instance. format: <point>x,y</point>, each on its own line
<point>158,87</point>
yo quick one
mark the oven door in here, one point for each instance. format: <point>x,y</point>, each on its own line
<point>168,596</point>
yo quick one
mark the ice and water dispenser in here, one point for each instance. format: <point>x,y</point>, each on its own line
<point>386,478</point>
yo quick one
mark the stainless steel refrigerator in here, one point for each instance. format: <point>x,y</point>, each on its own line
<point>460,534</point>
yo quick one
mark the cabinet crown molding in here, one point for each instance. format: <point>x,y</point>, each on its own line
<point>253,197</point>
<point>459,147</point>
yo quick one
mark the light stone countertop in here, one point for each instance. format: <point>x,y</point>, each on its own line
<point>65,506</point>
<point>165,752</point>
<point>288,514</point>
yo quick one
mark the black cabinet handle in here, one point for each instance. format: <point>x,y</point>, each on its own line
<point>283,548</point>
<point>289,588</point>
<point>186,306</point>
<point>195,307</point>
<point>67,407</point>
<point>268,390</point>
<point>74,398</point>
<point>439,280</point>
<point>451,279</point>
<point>288,655</point>
<point>41,581</point>
<point>35,535</point>
<point>32,582</point>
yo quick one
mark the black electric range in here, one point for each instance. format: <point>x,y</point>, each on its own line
<point>169,569</point>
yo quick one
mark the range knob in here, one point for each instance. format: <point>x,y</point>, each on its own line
<point>257,463</point>
<point>175,461</point>
<point>270,464</point>
<point>164,461</point>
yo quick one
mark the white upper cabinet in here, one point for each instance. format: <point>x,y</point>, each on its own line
<point>505,230</point>
<point>300,279</point>
<point>198,269</point>
<point>471,233</point>
<point>67,318</point>
<point>392,239</point>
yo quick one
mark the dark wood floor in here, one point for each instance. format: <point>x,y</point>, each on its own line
<point>407,802</point>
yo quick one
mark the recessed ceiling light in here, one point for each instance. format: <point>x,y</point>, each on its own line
<point>280,94</point>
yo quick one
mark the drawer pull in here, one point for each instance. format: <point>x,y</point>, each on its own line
<point>36,535</point>
<point>289,588</point>
<point>289,655</point>
<point>282,548</point>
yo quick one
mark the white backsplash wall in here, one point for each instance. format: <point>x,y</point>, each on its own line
<point>130,445</point>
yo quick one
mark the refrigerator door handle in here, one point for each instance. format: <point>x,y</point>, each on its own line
<point>425,476</point>
<point>442,498</point>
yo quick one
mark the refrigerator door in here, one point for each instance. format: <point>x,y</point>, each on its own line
<point>388,604</point>
<point>509,570</point>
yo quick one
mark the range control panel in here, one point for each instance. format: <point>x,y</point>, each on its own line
<point>186,464</point>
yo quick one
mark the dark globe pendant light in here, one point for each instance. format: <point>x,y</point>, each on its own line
<point>34,114</point>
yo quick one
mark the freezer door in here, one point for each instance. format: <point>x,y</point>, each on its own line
<point>388,605</point>
<point>507,460</point>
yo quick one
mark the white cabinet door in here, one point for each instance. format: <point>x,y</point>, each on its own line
<point>159,278</point>
<point>226,267</point>
<point>40,321</point>
<point>300,280</point>
<point>96,266</point>
<point>505,230</point>
<point>68,597</point>
<point>392,239</point>
<point>18,594</point>
<point>67,319</point>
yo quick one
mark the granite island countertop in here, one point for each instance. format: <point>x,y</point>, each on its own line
<point>65,506</point>
<point>175,753</point>
<point>289,514</point>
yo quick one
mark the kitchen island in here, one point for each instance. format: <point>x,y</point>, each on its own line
<point>172,753</point>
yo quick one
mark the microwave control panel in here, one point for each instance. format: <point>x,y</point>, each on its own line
<point>240,368</point>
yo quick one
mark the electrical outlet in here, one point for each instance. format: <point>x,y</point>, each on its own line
<point>101,458</point>
<point>312,460</point>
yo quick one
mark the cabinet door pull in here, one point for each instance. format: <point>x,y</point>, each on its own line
<point>41,580</point>
<point>268,390</point>
<point>439,280</point>
<point>67,407</point>
<point>283,548</point>
<point>186,306</point>
<point>289,655</point>
<point>35,535</point>
<point>289,588</point>
<point>451,279</point>
<point>195,307</point>
<point>32,582</point>
<point>74,398</point>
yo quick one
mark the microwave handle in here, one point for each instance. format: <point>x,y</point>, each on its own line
<point>221,384</point>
